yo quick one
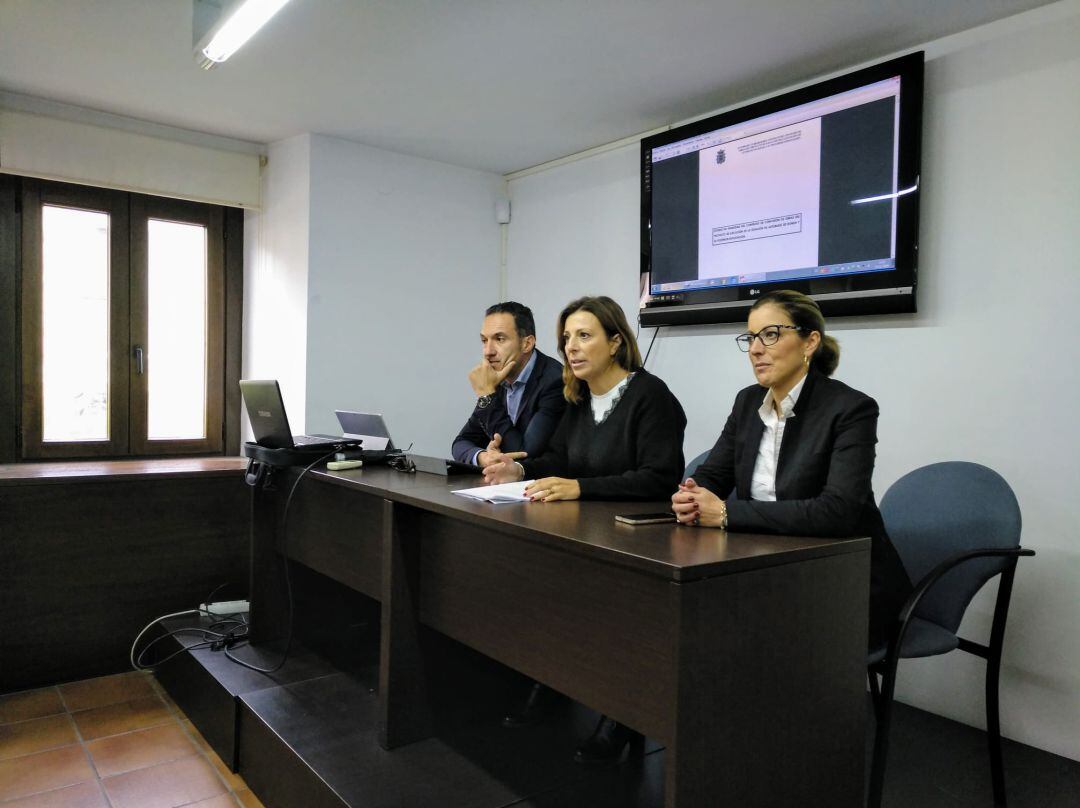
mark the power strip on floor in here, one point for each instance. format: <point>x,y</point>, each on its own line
<point>224,608</point>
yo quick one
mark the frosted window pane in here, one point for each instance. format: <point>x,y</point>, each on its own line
<point>75,324</point>
<point>176,339</point>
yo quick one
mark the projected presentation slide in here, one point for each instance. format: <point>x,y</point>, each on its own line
<point>801,193</point>
<point>758,201</point>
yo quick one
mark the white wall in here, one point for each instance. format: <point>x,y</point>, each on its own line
<point>986,371</point>
<point>404,258</point>
<point>276,276</point>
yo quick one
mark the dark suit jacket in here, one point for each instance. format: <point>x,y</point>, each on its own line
<point>823,480</point>
<point>542,406</point>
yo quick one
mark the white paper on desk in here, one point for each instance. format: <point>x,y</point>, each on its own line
<point>507,492</point>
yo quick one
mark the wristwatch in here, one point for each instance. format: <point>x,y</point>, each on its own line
<point>483,402</point>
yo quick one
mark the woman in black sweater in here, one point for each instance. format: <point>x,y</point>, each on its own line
<point>620,437</point>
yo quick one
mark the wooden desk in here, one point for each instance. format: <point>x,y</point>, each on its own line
<point>742,654</point>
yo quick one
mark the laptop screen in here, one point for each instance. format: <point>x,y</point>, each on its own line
<point>365,426</point>
<point>266,411</point>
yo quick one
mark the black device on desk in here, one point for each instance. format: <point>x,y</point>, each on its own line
<point>440,465</point>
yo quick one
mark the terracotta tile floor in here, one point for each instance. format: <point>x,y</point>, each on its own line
<point>113,742</point>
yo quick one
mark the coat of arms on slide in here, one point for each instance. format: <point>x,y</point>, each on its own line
<point>720,157</point>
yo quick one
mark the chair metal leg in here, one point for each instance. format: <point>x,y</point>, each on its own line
<point>881,736</point>
<point>993,731</point>
<point>875,691</point>
<point>993,674</point>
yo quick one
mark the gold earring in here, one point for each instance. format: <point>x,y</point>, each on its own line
<point>806,360</point>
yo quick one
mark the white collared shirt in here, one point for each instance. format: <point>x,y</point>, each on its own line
<point>763,481</point>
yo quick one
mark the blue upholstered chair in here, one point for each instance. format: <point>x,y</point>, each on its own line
<point>955,525</point>
<point>691,467</point>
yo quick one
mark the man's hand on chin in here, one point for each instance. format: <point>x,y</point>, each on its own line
<point>485,379</point>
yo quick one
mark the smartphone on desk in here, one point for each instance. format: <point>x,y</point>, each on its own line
<point>645,518</point>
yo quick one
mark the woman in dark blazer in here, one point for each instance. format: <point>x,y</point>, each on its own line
<point>798,450</point>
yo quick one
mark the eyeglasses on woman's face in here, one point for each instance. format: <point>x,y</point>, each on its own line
<point>769,335</point>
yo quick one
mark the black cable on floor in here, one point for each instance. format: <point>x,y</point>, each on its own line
<point>232,629</point>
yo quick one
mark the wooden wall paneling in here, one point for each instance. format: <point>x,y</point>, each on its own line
<point>85,565</point>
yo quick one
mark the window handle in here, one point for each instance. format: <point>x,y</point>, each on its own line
<point>138,353</point>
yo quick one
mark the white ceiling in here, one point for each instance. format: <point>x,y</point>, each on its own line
<point>492,84</point>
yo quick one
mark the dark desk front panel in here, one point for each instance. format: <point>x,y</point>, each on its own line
<point>597,632</point>
<point>771,685</point>
<point>336,532</point>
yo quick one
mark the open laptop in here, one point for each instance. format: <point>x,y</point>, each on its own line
<point>371,428</point>
<point>266,411</point>
<point>368,427</point>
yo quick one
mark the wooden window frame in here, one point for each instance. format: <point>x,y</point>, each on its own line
<point>143,209</point>
<point>35,196</point>
<point>20,320</point>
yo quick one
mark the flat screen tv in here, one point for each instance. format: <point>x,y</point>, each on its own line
<point>815,190</point>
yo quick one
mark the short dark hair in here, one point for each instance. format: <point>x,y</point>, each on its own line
<point>523,317</point>
<point>805,313</point>
<point>613,321</point>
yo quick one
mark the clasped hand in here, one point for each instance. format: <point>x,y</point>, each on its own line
<point>494,454</point>
<point>694,505</point>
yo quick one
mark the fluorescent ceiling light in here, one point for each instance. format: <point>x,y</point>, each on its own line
<point>249,17</point>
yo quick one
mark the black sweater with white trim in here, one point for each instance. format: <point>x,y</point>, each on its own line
<point>635,453</point>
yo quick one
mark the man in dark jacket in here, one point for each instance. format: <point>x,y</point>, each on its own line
<point>519,390</point>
